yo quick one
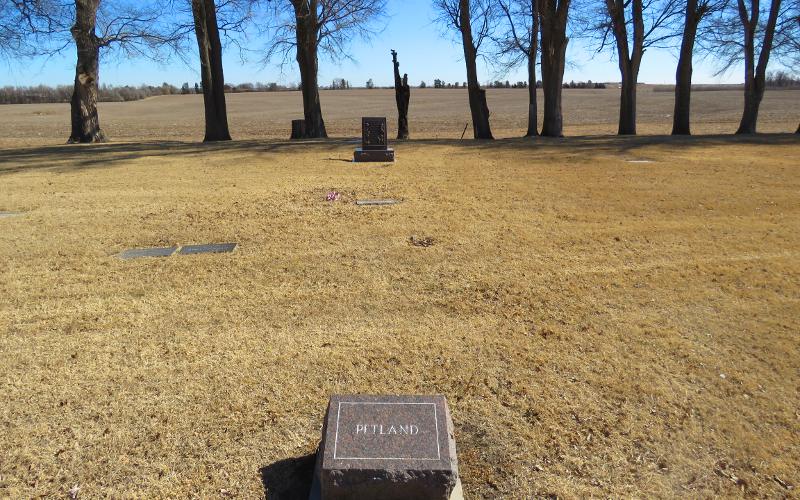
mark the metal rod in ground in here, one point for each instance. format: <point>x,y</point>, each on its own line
<point>465,131</point>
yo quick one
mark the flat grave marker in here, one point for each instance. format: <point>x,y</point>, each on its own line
<point>210,248</point>
<point>376,203</point>
<point>388,448</point>
<point>6,215</point>
<point>136,253</point>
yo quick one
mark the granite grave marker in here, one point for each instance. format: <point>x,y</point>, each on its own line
<point>376,203</point>
<point>210,248</point>
<point>136,253</point>
<point>374,142</point>
<point>388,448</point>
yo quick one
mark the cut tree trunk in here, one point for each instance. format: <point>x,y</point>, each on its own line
<point>83,106</point>
<point>402,93</point>
<point>681,116</point>
<point>208,42</point>
<point>298,129</point>
<point>553,16</point>
<point>307,45</point>
<point>477,96</point>
<point>755,74</point>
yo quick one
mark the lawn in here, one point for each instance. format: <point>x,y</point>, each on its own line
<point>600,326</point>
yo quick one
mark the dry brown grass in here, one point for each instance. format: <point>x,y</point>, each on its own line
<point>578,311</point>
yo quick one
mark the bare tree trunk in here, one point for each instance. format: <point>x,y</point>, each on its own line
<point>307,44</point>
<point>402,93</point>
<point>683,76</point>
<point>755,74</point>
<point>629,60</point>
<point>798,130</point>
<point>85,120</point>
<point>533,111</point>
<point>477,96</point>
<point>554,48</point>
<point>208,42</point>
<point>627,103</point>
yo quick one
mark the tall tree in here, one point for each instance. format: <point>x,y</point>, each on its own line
<point>83,106</point>
<point>632,26</point>
<point>518,44</point>
<point>755,73</point>
<point>554,17</point>
<point>696,10</point>
<point>741,34</point>
<point>129,29</point>
<point>402,92</point>
<point>211,72</point>
<point>310,26</point>
<point>460,15</point>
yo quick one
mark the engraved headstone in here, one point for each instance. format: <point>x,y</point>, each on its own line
<point>374,142</point>
<point>388,448</point>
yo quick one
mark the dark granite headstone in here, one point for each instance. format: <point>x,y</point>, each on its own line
<point>212,248</point>
<point>374,142</point>
<point>136,253</point>
<point>388,448</point>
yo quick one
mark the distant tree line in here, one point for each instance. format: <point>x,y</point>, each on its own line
<point>63,93</point>
<point>782,80</point>
<point>40,94</point>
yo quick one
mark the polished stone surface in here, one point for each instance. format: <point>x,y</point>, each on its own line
<point>376,155</point>
<point>211,248</point>
<point>374,134</point>
<point>136,253</point>
<point>387,447</point>
<point>376,203</point>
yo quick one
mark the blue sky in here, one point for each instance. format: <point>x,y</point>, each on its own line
<point>423,53</point>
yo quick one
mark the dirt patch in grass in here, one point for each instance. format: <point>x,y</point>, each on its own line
<point>600,327</point>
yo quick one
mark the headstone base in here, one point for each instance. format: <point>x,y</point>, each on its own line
<point>374,155</point>
<point>457,494</point>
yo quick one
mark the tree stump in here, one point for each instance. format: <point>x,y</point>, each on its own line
<point>298,129</point>
<point>403,95</point>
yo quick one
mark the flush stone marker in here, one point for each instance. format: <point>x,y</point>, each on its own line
<point>211,248</point>
<point>388,448</point>
<point>136,253</point>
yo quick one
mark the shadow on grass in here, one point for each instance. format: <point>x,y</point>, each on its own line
<point>70,158</point>
<point>289,479</point>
